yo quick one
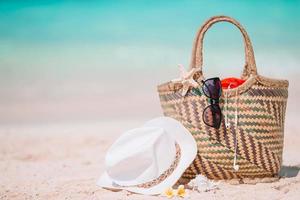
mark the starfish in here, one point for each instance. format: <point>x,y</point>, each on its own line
<point>186,79</point>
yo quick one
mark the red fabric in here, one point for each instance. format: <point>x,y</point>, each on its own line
<point>233,82</point>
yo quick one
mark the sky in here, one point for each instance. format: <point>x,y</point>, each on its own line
<point>70,36</point>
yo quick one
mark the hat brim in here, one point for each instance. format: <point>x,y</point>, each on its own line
<point>188,149</point>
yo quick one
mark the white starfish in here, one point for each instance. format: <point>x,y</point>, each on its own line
<point>186,79</point>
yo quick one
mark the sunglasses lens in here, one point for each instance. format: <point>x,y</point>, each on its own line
<point>212,115</point>
<point>212,88</point>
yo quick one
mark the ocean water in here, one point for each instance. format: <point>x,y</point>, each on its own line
<point>65,58</point>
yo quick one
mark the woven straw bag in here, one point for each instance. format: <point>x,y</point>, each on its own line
<point>259,103</point>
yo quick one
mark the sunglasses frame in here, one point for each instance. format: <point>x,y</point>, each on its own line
<point>213,102</point>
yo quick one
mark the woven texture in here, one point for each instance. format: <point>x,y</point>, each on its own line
<point>261,113</point>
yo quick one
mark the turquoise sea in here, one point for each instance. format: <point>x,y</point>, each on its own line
<point>52,50</point>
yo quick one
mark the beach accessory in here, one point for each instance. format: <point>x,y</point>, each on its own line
<point>212,114</point>
<point>149,159</point>
<point>233,82</point>
<point>249,142</point>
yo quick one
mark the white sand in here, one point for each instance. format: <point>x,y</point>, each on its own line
<point>64,162</point>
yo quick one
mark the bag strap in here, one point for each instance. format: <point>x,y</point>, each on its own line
<point>197,52</point>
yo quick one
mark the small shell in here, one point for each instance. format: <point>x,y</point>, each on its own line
<point>169,192</point>
<point>181,191</point>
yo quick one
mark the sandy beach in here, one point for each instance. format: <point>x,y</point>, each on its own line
<point>63,161</point>
<point>48,150</point>
<point>75,75</point>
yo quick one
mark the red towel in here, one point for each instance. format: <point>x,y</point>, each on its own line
<point>233,82</point>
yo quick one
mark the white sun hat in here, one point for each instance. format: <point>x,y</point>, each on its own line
<point>149,159</point>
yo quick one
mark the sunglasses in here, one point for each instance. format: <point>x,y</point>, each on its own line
<point>212,114</point>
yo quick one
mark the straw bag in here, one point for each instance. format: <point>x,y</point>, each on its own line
<point>256,139</point>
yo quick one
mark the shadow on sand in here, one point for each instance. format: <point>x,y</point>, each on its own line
<point>289,171</point>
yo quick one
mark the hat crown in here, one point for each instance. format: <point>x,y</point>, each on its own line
<point>140,155</point>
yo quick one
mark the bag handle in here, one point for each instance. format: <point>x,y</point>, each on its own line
<point>197,55</point>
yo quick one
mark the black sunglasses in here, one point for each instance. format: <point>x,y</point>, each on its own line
<point>212,114</point>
